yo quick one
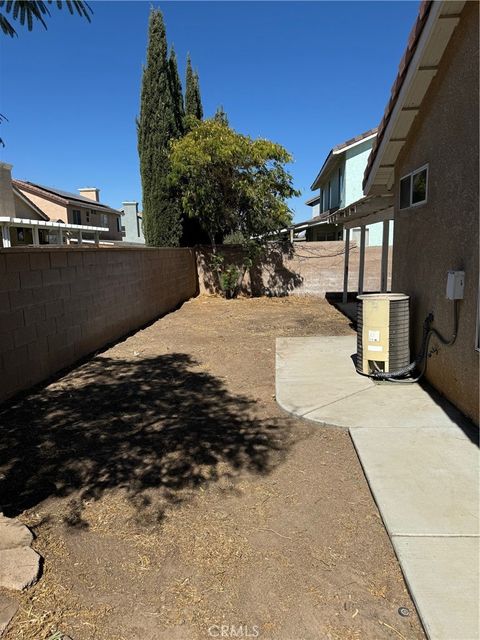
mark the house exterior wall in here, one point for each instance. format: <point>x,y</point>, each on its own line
<point>7,204</point>
<point>352,166</point>
<point>53,210</point>
<point>95,219</point>
<point>23,210</point>
<point>442,234</point>
<point>133,223</point>
<point>61,304</point>
<point>355,164</point>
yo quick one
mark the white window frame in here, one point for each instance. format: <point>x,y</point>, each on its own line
<point>410,175</point>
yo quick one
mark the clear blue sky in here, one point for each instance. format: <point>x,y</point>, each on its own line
<point>305,74</point>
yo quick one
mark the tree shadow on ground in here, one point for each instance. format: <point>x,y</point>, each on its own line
<point>157,425</point>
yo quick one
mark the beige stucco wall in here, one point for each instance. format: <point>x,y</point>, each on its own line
<point>23,210</point>
<point>60,304</point>
<point>443,234</point>
<point>53,210</point>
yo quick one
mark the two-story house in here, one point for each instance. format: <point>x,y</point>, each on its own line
<point>83,210</point>
<point>339,182</point>
<point>28,218</point>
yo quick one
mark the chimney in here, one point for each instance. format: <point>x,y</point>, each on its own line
<point>90,192</point>
<point>130,207</point>
<point>7,203</point>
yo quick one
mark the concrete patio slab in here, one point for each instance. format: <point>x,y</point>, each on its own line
<point>422,469</point>
<point>442,574</point>
<point>316,379</point>
<point>426,480</point>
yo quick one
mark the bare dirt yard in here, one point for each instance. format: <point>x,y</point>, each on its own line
<point>170,495</point>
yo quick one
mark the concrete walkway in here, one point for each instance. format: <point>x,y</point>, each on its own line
<point>421,466</point>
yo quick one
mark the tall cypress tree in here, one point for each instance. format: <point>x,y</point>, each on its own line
<point>176,91</point>
<point>193,102</point>
<point>198,99</point>
<point>189,89</point>
<point>221,116</point>
<point>156,126</point>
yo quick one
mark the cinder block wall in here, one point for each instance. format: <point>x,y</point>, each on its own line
<point>59,305</point>
<point>309,268</point>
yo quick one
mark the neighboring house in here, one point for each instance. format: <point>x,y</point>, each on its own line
<point>82,210</point>
<point>23,222</point>
<point>132,223</point>
<point>426,158</point>
<point>340,184</point>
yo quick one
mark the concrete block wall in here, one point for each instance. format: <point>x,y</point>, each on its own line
<point>61,304</point>
<point>309,268</point>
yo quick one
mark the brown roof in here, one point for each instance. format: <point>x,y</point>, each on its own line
<point>413,39</point>
<point>61,197</point>
<point>358,138</point>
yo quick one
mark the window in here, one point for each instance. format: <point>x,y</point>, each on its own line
<point>138,226</point>
<point>103,220</point>
<point>413,188</point>
<point>77,218</point>
<point>87,214</point>
<point>118,224</point>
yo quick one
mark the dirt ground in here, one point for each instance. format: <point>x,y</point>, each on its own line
<point>170,495</point>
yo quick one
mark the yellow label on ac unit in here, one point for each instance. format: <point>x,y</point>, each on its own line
<point>375,335</point>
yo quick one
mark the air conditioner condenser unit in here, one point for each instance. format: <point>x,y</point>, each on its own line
<point>383,332</point>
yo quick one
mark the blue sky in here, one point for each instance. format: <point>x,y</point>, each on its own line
<point>305,74</point>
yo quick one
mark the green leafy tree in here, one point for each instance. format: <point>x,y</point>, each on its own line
<point>157,125</point>
<point>233,185</point>
<point>193,101</point>
<point>30,12</point>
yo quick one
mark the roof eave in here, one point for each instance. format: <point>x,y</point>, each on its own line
<point>414,84</point>
<point>336,154</point>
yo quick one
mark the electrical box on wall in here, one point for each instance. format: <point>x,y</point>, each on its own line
<point>455,285</point>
